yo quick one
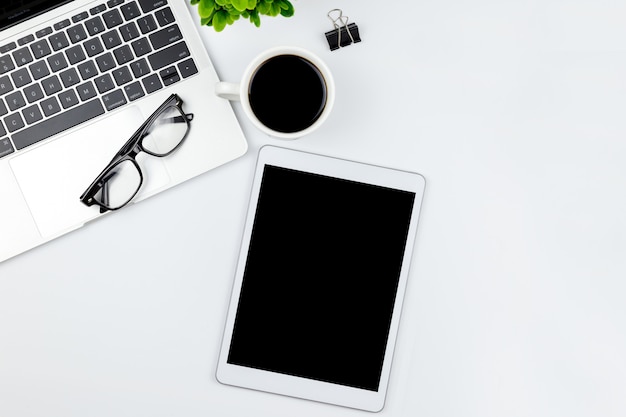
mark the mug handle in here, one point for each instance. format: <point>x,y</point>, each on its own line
<point>229,91</point>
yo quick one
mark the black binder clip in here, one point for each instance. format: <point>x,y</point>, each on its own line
<point>343,34</point>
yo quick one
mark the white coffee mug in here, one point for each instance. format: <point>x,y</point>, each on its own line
<point>287,92</point>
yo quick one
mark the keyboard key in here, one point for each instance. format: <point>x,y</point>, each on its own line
<point>2,132</point>
<point>123,55</point>
<point>51,85</point>
<point>40,48</point>
<point>6,64</point>
<point>113,3</point>
<point>5,85</point>
<point>140,68</point>
<point>43,32</point>
<point>7,47</point>
<point>98,9</point>
<point>104,83</point>
<point>93,47</point>
<point>6,147</point>
<point>39,69</point>
<point>152,83</point>
<point>187,68</point>
<point>112,18</point>
<point>62,24</point>
<point>58,41</point>
<point>57,62</point>
<point>130,11</point>
<point>129,31</point>
<point>134,91</point>
<point>122,75</point>
<point>80,16</point>
<point>77,33</point>
<point>169,55</point>
<point>86,91</point>
<point>22,56</point>
<point>150,5</point>
<point>26,39</point>
<point>3,108</point>
<point>50,106</point>
<point>105,62</point>
<point>75,54</point>
<point>165,37</point>
<point>114,100</point>
<point>164,16</point>
<point>146,24</point>
<point>32,114</point>
<point>169,76</point>
<point>14,122</point>
<point>20,77</point>
<point>111,39</point>
<point>69,77</point>
<point>141,47</point>
<point>15,100</point>
<point>33,93</point>
<point>94,26</point>
<point>68,99</point>
<point>57,124</point>
<point>87,70</point>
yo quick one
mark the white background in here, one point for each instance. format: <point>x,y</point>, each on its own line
<point>514,113</point>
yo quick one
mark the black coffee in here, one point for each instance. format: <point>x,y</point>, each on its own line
<point>287,93</point>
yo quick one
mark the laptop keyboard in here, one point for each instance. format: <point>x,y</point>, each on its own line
<point>80,68</point>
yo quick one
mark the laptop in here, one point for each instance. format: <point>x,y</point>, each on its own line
<point>77,78</point>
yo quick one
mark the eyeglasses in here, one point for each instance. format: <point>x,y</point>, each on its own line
<point>160,135</point>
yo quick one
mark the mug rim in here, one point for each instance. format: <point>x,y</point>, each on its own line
<point>287,50</point>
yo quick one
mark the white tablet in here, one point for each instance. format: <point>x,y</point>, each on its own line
<point>320,280</point>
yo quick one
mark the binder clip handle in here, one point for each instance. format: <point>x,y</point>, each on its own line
<point>343,33</point>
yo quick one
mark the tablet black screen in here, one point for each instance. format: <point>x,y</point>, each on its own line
<point>320,279</point>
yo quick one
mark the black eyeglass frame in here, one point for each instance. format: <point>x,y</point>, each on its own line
<point>130,150</point>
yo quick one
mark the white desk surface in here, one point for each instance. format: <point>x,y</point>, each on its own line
<point>513,112</point>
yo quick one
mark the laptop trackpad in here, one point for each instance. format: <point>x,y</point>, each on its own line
<point>52,177</point>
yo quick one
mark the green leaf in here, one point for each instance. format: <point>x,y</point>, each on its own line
<point>251,4</point>
<point>206,8</point>
<point>220,20</point>
<point>288,11</point>
<point>254,18</point>
<point>275,9</point>
<point>263,7</point>
<point>240,5</point>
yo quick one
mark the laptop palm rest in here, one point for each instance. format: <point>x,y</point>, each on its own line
<point>52,177</point>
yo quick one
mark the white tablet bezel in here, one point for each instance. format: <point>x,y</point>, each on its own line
<point>297,386</point>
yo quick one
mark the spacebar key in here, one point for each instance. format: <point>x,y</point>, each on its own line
<point>57,124</point>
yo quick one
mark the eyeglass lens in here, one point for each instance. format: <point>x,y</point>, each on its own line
<point>166,132</point>
<point>123,180</point>
<point>119,185</point>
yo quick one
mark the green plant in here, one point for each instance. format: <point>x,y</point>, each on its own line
<point>220,13</point>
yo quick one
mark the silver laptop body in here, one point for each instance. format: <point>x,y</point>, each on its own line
<point>76,81</point>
